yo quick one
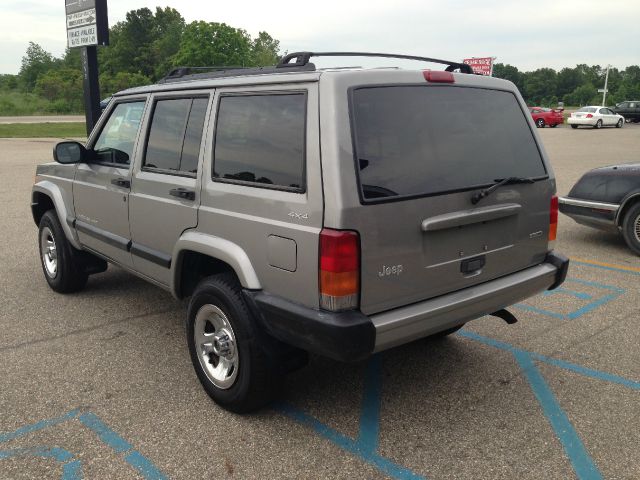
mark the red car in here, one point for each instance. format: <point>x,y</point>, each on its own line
<point>546,116</point>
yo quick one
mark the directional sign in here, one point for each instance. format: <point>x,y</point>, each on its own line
<point>86,23</point>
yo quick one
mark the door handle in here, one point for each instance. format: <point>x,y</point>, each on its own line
<point>183,193</point>
<point>121,182</point>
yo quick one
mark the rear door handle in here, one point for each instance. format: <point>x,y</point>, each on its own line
<point>183,193</point>
<point>121,182</point>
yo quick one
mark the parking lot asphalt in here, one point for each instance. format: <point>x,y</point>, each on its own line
<point>99,384</point>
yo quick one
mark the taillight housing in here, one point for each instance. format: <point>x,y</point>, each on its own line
<point>339,282</point>
<point>589,115</point>
<point>553,221</point>
<point>437,76</point>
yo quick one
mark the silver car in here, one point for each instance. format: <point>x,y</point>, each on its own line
<point>340,211</point>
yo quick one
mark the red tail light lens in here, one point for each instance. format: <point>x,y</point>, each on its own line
<point>339,269</point>
<point>589,115</point>
<point>553,219</point>
<point>438,76</point>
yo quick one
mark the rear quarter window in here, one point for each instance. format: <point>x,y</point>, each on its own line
<point>429,140</point>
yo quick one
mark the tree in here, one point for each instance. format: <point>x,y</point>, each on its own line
<point>110,84</point>
<point>511,73</point>
<point>63,87</point>
<point>265,50</point>
<point>35,62</point>
<point>213,44</point>
<point>540,86</point>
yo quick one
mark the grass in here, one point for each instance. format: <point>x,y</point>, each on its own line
<point>17,103</point>
<point>51,130</point>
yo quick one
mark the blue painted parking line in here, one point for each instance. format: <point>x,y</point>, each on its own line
<point>611,293</point>
<point>72,469</point>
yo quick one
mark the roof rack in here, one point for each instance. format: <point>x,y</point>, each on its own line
<point>302,59</point>
<point>181,74</point>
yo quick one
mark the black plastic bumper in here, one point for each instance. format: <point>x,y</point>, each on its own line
<point>345,336</point>
<point>562,264</point>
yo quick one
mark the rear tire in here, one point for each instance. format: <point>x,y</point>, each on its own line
<point>236,363</point>
<point>540,123</point>
<point>62,264</point>
<point>619,124</point>
<point>574,126</point>
<point>554,125</point>
<point>631,228</point>
<point>598,124</point>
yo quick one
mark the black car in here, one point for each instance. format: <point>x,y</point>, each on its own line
<point>608,198</point>
<point>630,110</point>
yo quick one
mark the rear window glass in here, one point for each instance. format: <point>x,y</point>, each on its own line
<point>425,140</point>
<point>587,109</point>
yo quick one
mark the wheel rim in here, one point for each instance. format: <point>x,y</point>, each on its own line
<point>598,123</point>
<point>540,123</point>
<point>215,344</point>
<point>620,123</point>
<point>636,228</point>
<point>49,252</point>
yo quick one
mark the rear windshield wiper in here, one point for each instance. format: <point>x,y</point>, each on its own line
<point>485,192</point>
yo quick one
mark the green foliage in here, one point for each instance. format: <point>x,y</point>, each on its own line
<point>35,62</point>
<point>15,102</point>
<point>213,44</point>
<point>110,84</point>
<point>62,86</point>
<point>8,82</point>
<point>265,50</point>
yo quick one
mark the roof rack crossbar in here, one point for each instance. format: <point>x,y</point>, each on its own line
<point>302,58</point>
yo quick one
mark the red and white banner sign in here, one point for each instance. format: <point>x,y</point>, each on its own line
<point>481,66</point>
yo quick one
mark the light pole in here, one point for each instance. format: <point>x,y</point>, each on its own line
<point>604,91</point>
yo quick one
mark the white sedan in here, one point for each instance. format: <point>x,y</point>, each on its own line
<point>595,117</point>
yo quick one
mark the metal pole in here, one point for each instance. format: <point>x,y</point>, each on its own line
<point>91,86</point>
<point>606,80</point>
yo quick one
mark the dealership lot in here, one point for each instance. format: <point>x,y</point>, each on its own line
<point>99,384</point>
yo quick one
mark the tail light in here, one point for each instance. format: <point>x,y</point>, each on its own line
<point>589,115</point>
<point>339,269</point>
<point>553,219</point>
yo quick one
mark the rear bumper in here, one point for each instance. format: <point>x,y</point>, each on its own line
<point>351,335</point>
<point>582,121</point>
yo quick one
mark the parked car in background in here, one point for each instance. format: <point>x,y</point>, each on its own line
<point>596,117</point>
<point>104,103</point>
<point>608,198</point>
<point>546,116</point>
<point>630,110</point>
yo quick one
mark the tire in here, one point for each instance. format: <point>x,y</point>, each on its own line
<point>574,126</point>
<point>619,124</point>
<point>62,265</point>
<point>238,367</point>
<point>631,228</point>
<point>598,124</point>
<point>540,123</point>
<point>554,125</point>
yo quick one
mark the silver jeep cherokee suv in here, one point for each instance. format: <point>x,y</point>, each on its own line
<point>338,211</point>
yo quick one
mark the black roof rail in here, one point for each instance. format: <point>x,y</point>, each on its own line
<point>302,59</point>
<point>179,74</point>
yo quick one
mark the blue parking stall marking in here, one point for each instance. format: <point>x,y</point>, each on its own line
<point>573,293</point>
<point>584,309</point>
<point>587,372</point>
<point>371,398</point>
<point>355,447</point>
<point>611,268</point>
<point>72,469</point>
<point>582,463</point>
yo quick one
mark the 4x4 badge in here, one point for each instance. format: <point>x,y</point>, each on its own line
<point>299,216</point>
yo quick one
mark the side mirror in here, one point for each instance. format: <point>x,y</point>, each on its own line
<point>69,152</point>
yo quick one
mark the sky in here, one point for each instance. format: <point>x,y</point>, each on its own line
<point>528,34</point>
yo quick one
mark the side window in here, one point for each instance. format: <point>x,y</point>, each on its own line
<point>260,139</point>
<point>175,135</point>
<point>115,142</point>
<point>604,111</point>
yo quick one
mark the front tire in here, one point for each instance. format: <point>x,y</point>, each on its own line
<point>619,124</point>
<point>598,124</point>
<point>234,360</point>
<point>574,126</point>
<point>62,264</point>
<point>631,228</point>
<point>540,123</point>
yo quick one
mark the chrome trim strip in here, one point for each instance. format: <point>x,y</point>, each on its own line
<point>612,207</point>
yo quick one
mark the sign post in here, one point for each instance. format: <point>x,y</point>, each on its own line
<point>481,66</point>
<point>87,27</point>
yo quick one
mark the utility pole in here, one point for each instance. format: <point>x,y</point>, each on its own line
<point>606,81</point>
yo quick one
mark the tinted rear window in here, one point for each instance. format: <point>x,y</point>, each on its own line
<point>587,109</point>
<point>425,140</point>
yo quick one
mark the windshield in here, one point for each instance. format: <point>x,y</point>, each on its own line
<point>425,140</point>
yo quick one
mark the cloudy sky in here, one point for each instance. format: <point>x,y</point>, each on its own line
<point>528,34</point>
